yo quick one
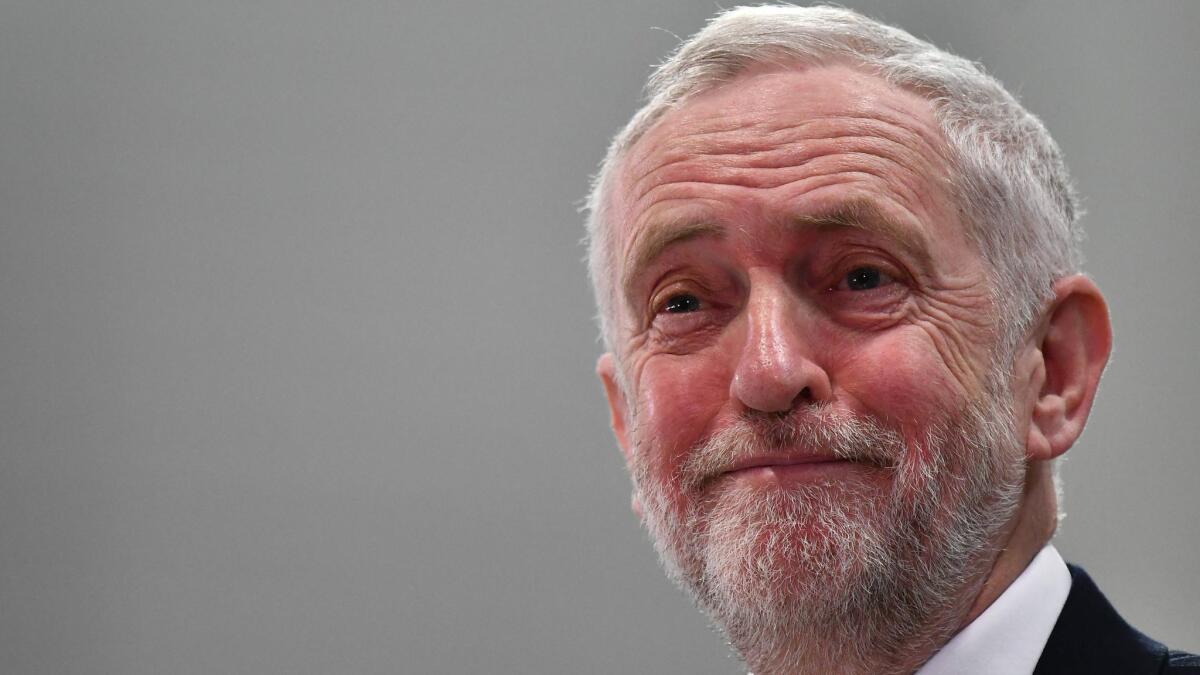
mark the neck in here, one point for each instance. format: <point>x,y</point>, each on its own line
<point>1029,532</point>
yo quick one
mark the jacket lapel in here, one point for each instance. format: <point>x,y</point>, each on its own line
<point>1090,637</point>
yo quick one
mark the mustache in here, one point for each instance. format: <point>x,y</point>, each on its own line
<point>817,431</point>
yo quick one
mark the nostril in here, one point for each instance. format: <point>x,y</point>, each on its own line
<point>805,395</point>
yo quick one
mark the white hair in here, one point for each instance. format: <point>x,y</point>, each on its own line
<point>1009,179</point>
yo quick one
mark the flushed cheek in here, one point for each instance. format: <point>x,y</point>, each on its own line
<point>678,400</point>
<point>904,382</point>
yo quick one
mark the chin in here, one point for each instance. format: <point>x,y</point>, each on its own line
<point>772,545</point>
<point>873,560</point>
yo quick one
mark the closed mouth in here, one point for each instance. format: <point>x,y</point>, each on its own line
<point>772,462</point>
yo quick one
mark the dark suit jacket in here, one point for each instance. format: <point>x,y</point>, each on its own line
<point>1090,637</point>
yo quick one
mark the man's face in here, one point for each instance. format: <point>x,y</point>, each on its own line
<point>812,411</point>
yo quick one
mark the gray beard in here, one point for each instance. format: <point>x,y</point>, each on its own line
<point>840,577</point>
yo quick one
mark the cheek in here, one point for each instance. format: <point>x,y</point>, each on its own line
<point>679,398</point>
<point>902,379</point>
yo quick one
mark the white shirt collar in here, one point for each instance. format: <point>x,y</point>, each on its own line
<point>1008,637</point>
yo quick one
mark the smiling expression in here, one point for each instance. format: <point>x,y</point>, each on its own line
<point>789,238</point>
<point>810,404</point>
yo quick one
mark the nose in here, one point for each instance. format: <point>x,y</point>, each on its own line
<point>776,371</point>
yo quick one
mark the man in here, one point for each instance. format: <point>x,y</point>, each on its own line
<point>847,336</point>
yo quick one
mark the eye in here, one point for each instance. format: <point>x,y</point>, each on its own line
<point>865,279</point>
<point>681,303</point>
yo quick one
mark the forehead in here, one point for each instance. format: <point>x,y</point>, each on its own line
<point>763,100</point>
<point>805,137</point>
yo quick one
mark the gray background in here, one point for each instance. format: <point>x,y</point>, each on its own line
<point>296,346</point>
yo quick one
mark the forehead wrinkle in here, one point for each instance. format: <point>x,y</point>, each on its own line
<point>658,237</point>
<point>773,153</point>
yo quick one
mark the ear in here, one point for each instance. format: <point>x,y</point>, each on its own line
<point>1063,366</point>
<point>606,370</point>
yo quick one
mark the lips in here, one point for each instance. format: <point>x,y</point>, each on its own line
<point>817,446</point>
<point>772,462</point>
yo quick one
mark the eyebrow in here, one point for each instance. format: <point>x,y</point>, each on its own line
<point>864,214</point>
<point>857,214</point>
<point>660,237</point>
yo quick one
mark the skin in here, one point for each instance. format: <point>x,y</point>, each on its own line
<point>789,239</point>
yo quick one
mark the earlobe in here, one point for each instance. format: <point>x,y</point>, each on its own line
<point>607,372</point>
<point>1075,343</point>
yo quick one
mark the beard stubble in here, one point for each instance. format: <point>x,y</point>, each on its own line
<point>837,576</point>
